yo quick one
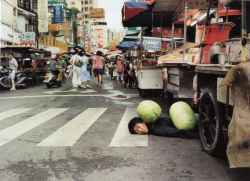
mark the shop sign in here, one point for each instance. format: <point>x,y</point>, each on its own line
<point>28,38</point>
<point>152,44</point>
<point>58,14</point>
<point>57,1</point>
<point>98,37</point>
<point>80,31</point>
<point>97,13</point>
<point>43,16</point>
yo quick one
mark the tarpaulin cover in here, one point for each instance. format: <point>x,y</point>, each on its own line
<point>131,9</point>
<point>238,150</point>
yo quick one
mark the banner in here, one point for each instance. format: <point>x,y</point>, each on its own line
<point>58,15</point>
<point>42,16</point>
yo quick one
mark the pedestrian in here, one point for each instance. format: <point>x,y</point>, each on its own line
<point>13,67</point>
<point>119,69</point>
<point>62,67</point>
<point>76,64</point>
<point>98,64</point>
<point>85,72</point>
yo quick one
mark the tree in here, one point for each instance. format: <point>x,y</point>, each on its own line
<point>73,13</point>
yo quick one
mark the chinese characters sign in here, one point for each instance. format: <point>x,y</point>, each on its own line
<point>58,14</point>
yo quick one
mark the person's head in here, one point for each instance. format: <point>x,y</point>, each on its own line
<point>137,126</point>
<point>82,53</point>
<point>10,55</point>
<point>53,56</point>
<point>99,53</point>
<point>118,57</point>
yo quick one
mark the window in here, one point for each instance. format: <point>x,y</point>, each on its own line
<point>72,3</point>
<point>90,2</point>
<point>86,2</point>
<point>86,8</point>
<point>82,2</point>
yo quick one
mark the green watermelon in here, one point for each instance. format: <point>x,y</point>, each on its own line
<point>148,111</point>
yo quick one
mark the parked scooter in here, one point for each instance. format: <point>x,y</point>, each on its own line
<point>5,81</point>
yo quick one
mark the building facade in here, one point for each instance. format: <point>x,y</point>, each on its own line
<point>85,7</point>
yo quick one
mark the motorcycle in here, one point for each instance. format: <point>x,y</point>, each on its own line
<point>5,81</point>
<point>53,79</point>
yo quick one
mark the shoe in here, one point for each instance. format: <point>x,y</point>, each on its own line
<point>84,86</point>
<point>13,89</point>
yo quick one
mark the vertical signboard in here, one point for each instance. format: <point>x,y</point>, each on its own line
<point>98,37</point>
<point>42,16</point>
<point>58,14</point>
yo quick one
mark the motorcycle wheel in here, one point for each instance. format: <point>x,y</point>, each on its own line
<point>59,84</point>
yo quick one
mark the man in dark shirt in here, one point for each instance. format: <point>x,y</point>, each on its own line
<point>161,127</point>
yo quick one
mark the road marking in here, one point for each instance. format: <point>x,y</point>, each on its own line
<point>69,91</point>
<point>68,134</point>
<point>123,138</point>
<point>13,112</point>
<point>48,96</point>
<point>10,133</point>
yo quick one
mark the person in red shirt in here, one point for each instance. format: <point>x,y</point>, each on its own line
<point>119,69</point>
<point>98,67</point>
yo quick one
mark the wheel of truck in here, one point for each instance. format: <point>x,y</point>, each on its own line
<point>210,125</point>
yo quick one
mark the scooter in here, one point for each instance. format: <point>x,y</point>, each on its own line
<point>5,81</point>
<point>51,79</point>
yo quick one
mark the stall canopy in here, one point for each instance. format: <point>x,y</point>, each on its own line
<point>160,13</point>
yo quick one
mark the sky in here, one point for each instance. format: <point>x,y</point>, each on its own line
<point>112,12</point>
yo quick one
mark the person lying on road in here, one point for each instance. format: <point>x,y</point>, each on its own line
<point>161,127</point>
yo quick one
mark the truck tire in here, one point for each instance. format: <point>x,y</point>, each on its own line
<point>210,124</point>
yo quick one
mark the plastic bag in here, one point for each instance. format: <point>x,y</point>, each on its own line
<point>238,149</point>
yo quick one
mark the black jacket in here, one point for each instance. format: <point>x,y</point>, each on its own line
<point>164,127</point>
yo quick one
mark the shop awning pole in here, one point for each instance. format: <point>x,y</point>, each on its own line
<point>185,30</point>
<point>243,31</point>
<point>172,37</point>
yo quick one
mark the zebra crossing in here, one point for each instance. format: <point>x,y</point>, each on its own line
<point>68,134</point>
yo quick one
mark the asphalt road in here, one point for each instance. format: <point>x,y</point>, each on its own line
<point>65,134</point>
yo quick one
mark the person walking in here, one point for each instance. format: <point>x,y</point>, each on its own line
<point>13,67</point>
<point>119,69</point>
<point>85,73</point>
<point>76,64</point>
<point>98,64</point>
<point>62,67</point>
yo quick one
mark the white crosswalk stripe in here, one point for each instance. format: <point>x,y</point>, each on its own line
<point>12,132</point>
<point>123,138</point>
<point>13,112</point>
<point>72,131</point>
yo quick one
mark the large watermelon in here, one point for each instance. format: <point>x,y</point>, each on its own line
<point>182,116</point>
<point>148,111</point>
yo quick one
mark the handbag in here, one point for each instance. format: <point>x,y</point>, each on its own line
<point>78,63</point>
